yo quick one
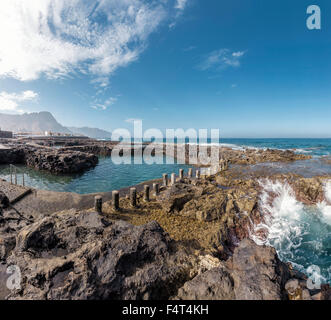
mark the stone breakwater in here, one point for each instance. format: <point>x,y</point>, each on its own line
<point>51,160</point>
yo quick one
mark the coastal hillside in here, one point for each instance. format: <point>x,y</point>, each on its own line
<point>93,133</point>
<point>39,122</point>
<point>36,122</point>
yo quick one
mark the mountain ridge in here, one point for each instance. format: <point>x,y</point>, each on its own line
<point>40,122</point>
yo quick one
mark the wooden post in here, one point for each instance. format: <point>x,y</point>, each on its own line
<point>133,197</point>
<point>173,179</point>
<point>98,204</point>
<point>15,176</point>
<point>165,180</point>
<point>197,174</point>
<point>116,200</point>
<point>146,193</point>
<point>181,174</point>
<point>23,180</point>
<point>11,174</point>
<point>156,189</point>
<point>189,173</point>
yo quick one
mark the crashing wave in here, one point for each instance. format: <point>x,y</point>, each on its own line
<point>299,233</point>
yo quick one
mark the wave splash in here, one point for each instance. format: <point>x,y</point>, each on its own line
<point>301,234</point>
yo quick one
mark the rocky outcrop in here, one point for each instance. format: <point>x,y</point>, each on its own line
<point>61,162</point>
<point>252,273</point>
<point>235,209</point>
<point>12,156</point>
<point>176,196</point>
<point>4,201</point>
<point>51,160</point>
<point>84,256</point>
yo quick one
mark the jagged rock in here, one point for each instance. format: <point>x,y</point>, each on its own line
<point>84,256</point>
<point>215,284</point>
<point>175,197</point>
<point>61,162</point>
<point>257,272</point>
<point>253,273</point>
<point>4,201</point>
<point>54,161</point>
<point>206,207</point>
<point>12,156</point>
<point>7,244</point>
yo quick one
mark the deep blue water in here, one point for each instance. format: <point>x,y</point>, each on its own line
<point>314,147</point>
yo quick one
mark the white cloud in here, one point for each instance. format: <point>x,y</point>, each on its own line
<point>181,4</point>
<point>104,106</point>
<point>11,101</point>
<point>59,37</point>
<point>221,59</point>
<point>238,54</point>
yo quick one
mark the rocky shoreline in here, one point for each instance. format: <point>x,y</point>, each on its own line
<point>50,160</point>
<point>78,155</point>
<point>191,241</point>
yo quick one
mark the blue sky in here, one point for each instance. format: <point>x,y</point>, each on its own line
<point>248,67</point>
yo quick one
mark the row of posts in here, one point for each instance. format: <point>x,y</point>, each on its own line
<point>156,189</point>
<point>13,174</point>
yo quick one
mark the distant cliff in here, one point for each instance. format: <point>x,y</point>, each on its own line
<point>31,122</point>
<point>91,132</point>
<point>44,121</point>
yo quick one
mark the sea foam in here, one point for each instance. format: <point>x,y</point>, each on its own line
<point>299,233</point>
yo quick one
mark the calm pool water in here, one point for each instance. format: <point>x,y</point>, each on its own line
<point>106,176</point>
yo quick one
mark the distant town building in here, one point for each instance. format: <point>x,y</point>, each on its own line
<point>6,134</point>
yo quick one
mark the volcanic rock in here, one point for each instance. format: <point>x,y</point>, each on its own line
<point>84,256</point>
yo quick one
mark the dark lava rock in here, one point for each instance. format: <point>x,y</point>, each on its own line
<point>215,284</point>
<point>83,256</point>
<point>253,273</point>
<point>61,162</point>
<point>12,156</point>
<point>4,201</point>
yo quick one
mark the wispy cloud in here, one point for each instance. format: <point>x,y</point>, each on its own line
<point>180,4</point>
<point>104,105</point>
<point>221,59</point>
<point>179,7</point>
<point>11,101</point>
<point>190,48</point>
<point>57,38</point>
